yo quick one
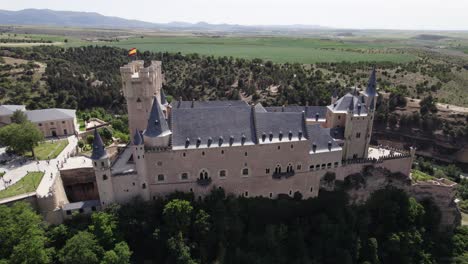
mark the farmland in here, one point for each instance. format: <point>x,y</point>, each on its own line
<point>276,49</point>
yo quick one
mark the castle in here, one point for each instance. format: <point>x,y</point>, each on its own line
<point>248,150</point>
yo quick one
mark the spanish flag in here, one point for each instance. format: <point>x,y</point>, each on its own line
<point>132,52</point>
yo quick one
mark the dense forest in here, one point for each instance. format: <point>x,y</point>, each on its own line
<point>389,228</point>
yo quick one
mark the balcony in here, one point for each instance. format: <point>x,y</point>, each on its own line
<point>279,175</point>
<point>204,181</point>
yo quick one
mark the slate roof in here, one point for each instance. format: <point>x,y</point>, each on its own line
<point>215,123</point>
<point>99,151</point>
<point>351,102</point>
<point>50,114</point>
<point>310,111</point>
<point>81,205</point>
<point>10,109</point>
<point>209,104</point>
<point>276,126</point>
<point>157,123</point>
<point>320,137</point>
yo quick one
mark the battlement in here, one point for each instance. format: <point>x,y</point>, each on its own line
<point>135,71</point>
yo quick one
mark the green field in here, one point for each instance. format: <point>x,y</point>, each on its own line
<point>417,175</point>
<point>49,149</point>
<point>276,49</point>
<point>27,184</point>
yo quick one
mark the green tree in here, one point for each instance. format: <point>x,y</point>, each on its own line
<point>19,117</point>
<point>104,227</point>
<point>20,138</point>
<point>119,255</point>
<point>428,104</point>
<point>177,215</point>
<point>82,248</point>
<point>179,251</point>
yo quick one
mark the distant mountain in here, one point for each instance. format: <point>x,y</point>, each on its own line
<point>47,17</point>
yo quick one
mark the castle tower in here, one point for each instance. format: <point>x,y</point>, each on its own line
<point>157,133</point>
<point>139,159</point>
<point>102,171</point>
<point>140,86</point>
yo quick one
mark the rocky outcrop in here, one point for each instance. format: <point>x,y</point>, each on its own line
<point>360,186</point>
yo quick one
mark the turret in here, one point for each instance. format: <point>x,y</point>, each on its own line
<point>102,171</point>
<point>139,86</point>
<point>157,133</point>
<point>140,164</point>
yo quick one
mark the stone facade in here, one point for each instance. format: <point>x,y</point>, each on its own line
<point>246,150</point>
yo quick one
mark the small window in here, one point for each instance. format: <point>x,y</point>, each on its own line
<point>102,163</point>
<point>329,165</point>
<point>339,117</point>
<point>290,192</point>
<point>184,176</point>
<point>299,167</point>
<point>245,154</point>
<point>222,173</point>
<point>40,124</point>
<point>183,154</point>
<point>222,152</point>
<point>336,164</point>
<point>93,208</point>
<point>317,167</point>
<point>279,147</point>
<point>104,177</point>
<point>159,163</point>
<point>246,194</point>
<point>358,135</point>
<point>311,189</point>
<point>138,157</point>
<point>311,167</point>
<point>245,171</point>
<point>133,183</point>
<point>323,166</point>
<point>271,195</point>
<point>267,170</point>
<point>292,146</point>
<point>355,156</point>
<point>203,153</point>
<point>63,122</point>
<point>191,189</point>
<point>143,186</point>
<point>68,212</point>
<point>161,177</point>
<point>95,163</point>
<point>51,123</point>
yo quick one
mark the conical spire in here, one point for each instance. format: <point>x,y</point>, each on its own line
<point>99,150</point>
<point>335,93</point>
<point>163,98</point>
<point>371,86</point>
<point>351,104</point>
<point>137,140</point>
<point>156,123</point>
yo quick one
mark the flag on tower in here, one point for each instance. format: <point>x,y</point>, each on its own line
<point>132,52</point>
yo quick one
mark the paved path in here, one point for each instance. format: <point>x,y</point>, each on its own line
<point>18,168</point>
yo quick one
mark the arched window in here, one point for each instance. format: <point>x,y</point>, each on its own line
<point>278,169</point>
<point>104,177</point>
<point>138,104</point>
<point>203,174</point>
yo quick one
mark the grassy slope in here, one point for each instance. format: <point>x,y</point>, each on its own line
<point>27,184</point>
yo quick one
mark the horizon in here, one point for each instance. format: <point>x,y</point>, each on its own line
<point>417,15</point>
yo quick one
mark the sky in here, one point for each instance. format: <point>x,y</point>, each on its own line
<point>364,14</point>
